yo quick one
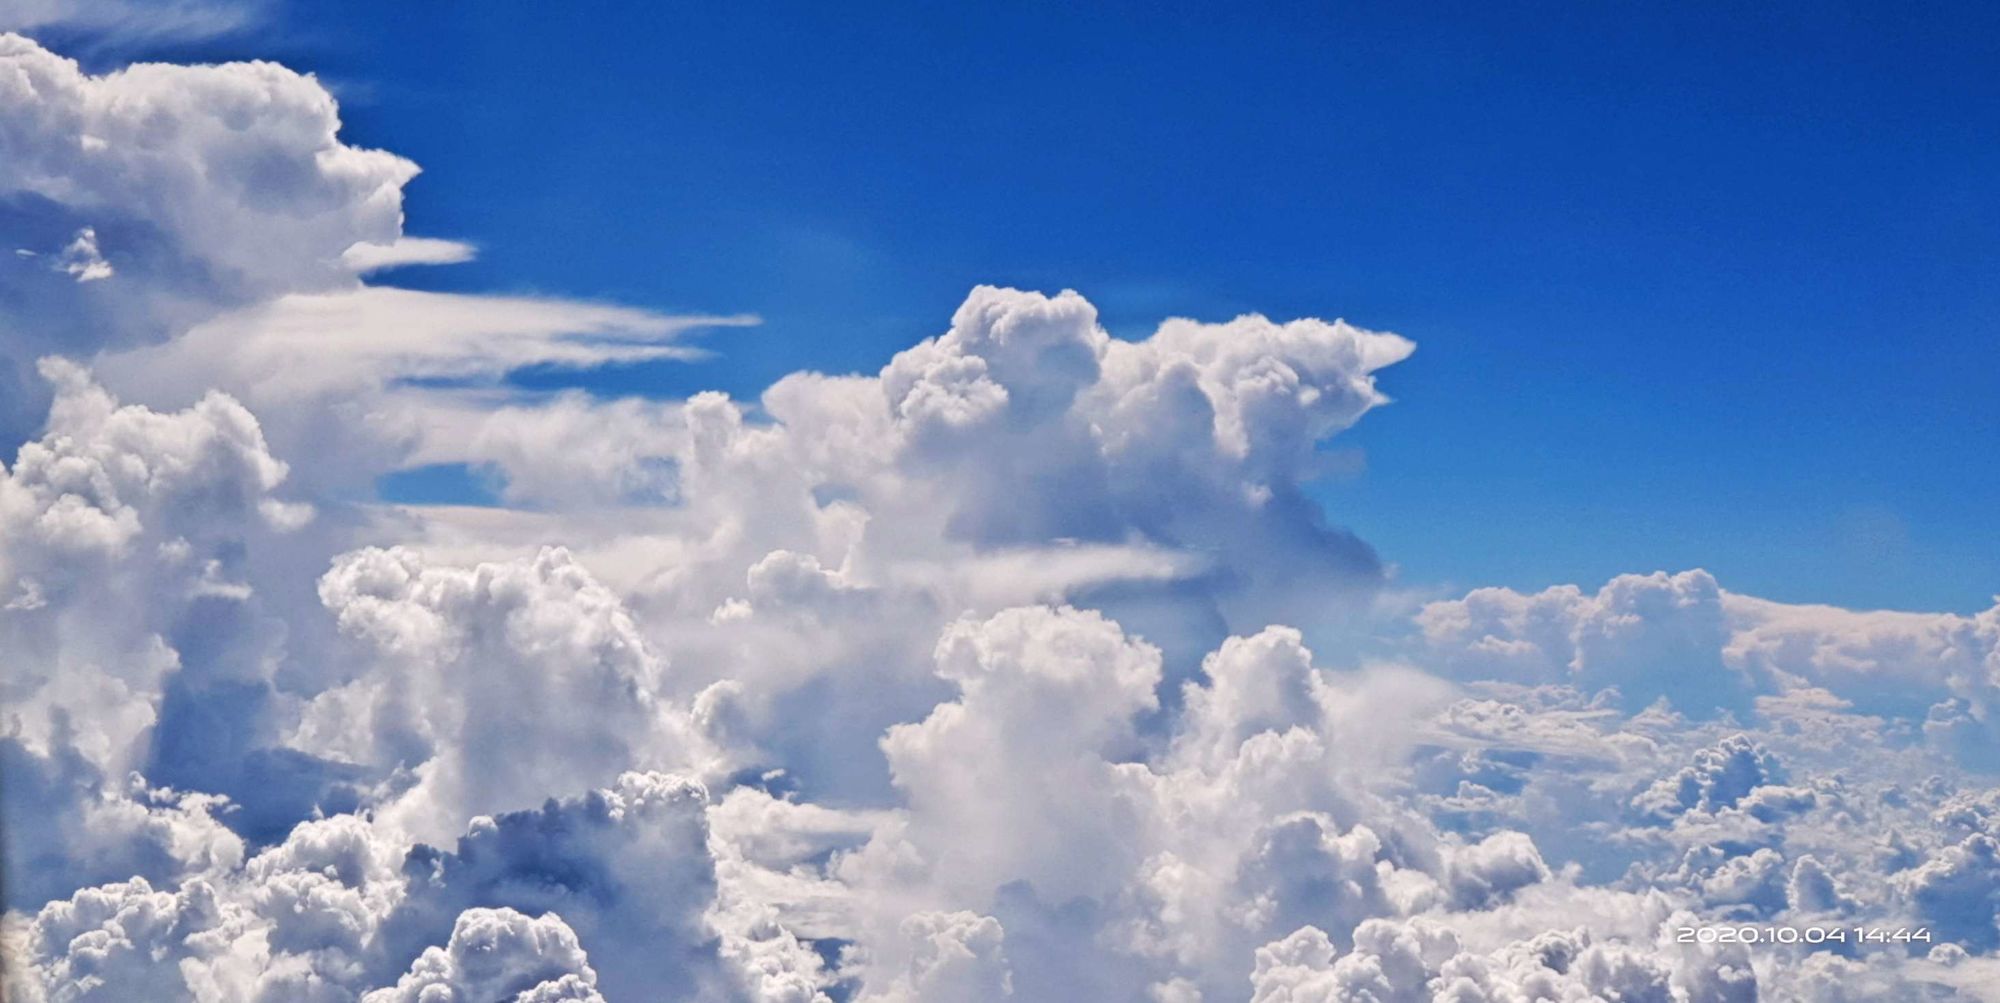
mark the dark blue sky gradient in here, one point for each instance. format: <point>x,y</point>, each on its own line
<point>1693,284</point>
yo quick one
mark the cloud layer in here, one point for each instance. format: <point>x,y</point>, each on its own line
<point>1022,667</point>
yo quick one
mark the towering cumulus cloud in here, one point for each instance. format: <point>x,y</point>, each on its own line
<point>195,187</point>
<point>1024,666</point>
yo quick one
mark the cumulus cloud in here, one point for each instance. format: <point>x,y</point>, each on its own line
<point>166,193</point>
<point>499,954</point>
<point>1067,449</point>
<point>1421,960</point>
<point>1940,666</point>
<point>123,534</point>
<point>492,685</point>
<point>1058,806</point>
<point>1019,762</point>
<point>1647,636</point>
<point>1021,667</point>
<point>1720,777</point>
<point>158,197</point>
<point>82,261</point>
<point>1032,800</point>
<point>164,149</point>
<point>953,957</point>
<point>348,909</point>
<point>866,488</point>
<point>1684,639</point>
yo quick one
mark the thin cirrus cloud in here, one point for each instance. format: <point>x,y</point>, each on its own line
<point>101,23</point>
<point>1020,667</point>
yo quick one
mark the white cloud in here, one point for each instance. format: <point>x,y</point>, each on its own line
<point>120,528</point>
<point>345,343</point>
<point>1420,960</point>
<point>348,909</point>
<point>1023,425</point>
<point>125,940</point>
<point>115,23</point>
<point>209,186</point>
<point>965,678</point>
<point>1018,762</point>
<point>365,257</point>
<point>499,954</point>
<point>82,260</point>
<point>1720,777</point>
<point>494,685</point>
<point>170,196</point>
<point>1039,794</point>
<point>1684,639</point>
<point>238,166</point>
<point>954,957</point>
<point>1649,636</point>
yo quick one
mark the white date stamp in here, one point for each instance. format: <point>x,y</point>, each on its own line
<point>1758,933</point>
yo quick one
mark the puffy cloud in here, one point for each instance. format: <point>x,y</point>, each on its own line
<point>1421,960</point>
<point>82,261</point>
<point>1720,777</point>
<point>348,909</point>
<point>1094,437</point>
<point>325,891</point>
<point>628,867</point>
<point>1682,638</point>
<point>176,191</point>
<point>1648,636</point>
<point>955,956</point>
<point>1940,665</point>
<point>1018,763</point>
<point>1010,460</point>
<point>1295,969</point>
<point>1484,872</point>
<point>1032,799</point>
<point>981,654</point>
<point>69,827</point>
<point>1958,891</point>
<point>1825,977</point>
<point>1048,818</point>
<point>124,941</point>
<point>123,540</point>
<point>162,200</point>
<point>499,954</point>
<point>1253,685</point>
<point>494,684</point>
<point>1813,890</point>
<point>237,168</point>
<point>1024,425</point>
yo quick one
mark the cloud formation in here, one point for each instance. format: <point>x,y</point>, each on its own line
<point>167,193</point>
<point>1022,667</point>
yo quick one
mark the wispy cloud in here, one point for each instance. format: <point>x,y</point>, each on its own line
<point>102,25</point>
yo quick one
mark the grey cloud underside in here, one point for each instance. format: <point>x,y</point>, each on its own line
<point>1021,668</point>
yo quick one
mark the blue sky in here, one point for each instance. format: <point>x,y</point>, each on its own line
<point>1698,286</point>
<point>1026,668</point>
